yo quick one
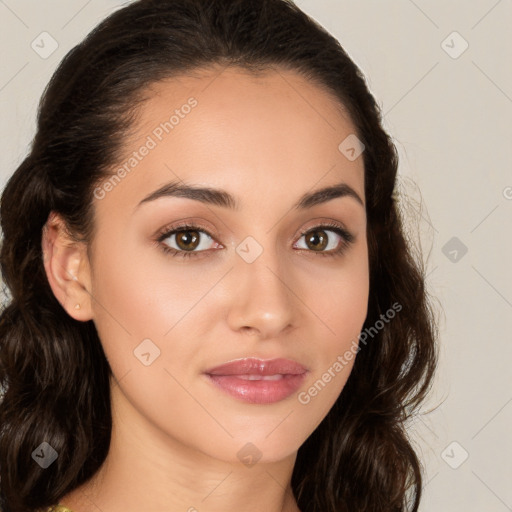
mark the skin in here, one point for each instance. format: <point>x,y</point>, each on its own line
<point>267,140</point>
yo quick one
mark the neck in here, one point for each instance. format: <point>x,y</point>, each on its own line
<point>146,469</point>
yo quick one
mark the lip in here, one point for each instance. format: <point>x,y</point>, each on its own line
<point>258,381</point>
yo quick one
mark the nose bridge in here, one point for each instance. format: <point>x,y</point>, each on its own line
<point>262,298</point>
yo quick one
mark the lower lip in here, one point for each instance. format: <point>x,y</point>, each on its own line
<point>258,391</point>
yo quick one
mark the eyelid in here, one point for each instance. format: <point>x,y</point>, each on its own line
<point>169,229</point>
<point>337,227</point>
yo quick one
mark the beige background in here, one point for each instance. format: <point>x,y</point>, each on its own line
<point>450,113</point>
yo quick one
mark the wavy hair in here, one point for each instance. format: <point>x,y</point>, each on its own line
<point>53,371</point>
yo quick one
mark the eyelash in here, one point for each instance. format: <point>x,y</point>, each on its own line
<point>347,239</point>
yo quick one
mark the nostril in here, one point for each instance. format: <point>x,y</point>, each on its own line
<point>249,330</point>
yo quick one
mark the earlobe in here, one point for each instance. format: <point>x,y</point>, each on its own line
<point>67,268</point>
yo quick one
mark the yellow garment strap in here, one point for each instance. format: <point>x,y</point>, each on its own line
<point>59,508</point>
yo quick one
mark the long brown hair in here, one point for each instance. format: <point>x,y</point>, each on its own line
<point>53,370</point>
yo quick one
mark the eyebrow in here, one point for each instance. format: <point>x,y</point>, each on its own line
<point>219,197</point>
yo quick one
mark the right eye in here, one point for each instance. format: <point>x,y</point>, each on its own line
<point>185,240</point>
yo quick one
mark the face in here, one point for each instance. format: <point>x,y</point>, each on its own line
<point>258,272</point>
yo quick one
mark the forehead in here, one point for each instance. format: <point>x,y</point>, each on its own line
<point>245,132</point>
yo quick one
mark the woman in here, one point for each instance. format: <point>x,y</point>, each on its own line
<point>214,306</point>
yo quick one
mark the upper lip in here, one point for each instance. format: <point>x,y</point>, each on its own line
<point>255,366</point>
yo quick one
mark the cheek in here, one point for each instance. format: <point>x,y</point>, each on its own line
<point>139,297</point>
<point>125,308</point>
<point>342,307</point>
<point>341,304</point>
<point>341,301</point>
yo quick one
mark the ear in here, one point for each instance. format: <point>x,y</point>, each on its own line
<point>67,268</point>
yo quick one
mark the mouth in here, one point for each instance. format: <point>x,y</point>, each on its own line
<point>258,381</point>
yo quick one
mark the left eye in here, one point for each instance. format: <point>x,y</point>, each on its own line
<point>317,239</point>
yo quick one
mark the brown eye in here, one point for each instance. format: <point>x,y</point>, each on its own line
<point>317,240</point>
<point>187,240</point>
<point>327,240</point>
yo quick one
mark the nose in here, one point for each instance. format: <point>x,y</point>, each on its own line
<point>262,301</point>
